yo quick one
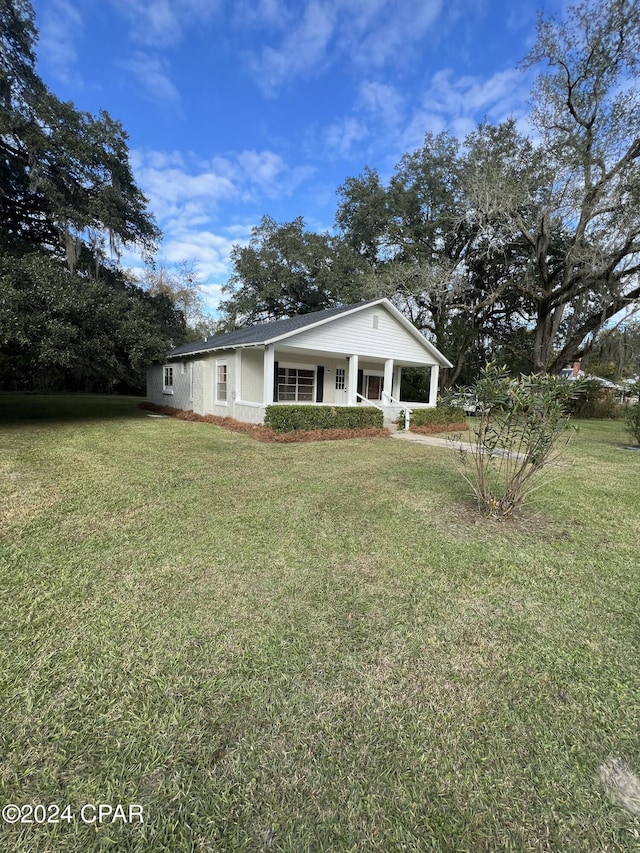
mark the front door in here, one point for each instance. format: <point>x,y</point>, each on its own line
<point>340,395</point>
<point>373,387</point>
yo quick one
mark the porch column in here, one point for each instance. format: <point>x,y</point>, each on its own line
<point>433,388</point>
<point>387,381</point>
<point>352,384</point>
<point>269,360</point>
<point>397,381</point>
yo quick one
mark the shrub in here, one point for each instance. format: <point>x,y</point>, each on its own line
<point>632,417</point>
<point>440,419</point>
<point>594,401</point>
<point>263,433</point>
<point>516,436</point>
<point>441,416</point>
<point>292,418</point>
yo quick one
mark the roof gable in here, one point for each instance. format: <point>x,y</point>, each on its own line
<point>263,333</point>
<point>306,326</point>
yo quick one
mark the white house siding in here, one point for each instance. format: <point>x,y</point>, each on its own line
<point>355,333</point>
<point>251,360</point>
<point>207,383</point>
<point>197,403</point>
<point>249,413</point>
<point>179,399</point>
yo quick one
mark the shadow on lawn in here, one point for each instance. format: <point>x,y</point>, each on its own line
<point>49,408</point>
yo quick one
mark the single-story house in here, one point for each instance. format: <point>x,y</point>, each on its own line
<point>342,356</point>
<point>621,392</point>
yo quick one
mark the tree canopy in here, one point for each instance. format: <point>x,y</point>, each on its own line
<point>65,179</point>
<point>501,245</point>
<point>69,319</point>
<point>286,270</point>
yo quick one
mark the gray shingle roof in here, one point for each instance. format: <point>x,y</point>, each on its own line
<point>263,332</point>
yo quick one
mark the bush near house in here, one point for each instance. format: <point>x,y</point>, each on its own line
<point>266,433</point>
<point>594,401</point>
<point>441,419</point>
<point>632,417</point>
<point>292,418</point>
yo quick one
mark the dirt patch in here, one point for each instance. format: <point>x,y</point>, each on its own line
<point>263,433</point>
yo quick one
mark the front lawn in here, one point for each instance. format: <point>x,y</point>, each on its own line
<point>309,647</point>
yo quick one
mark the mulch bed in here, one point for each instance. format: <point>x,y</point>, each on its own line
<point>263,433</point>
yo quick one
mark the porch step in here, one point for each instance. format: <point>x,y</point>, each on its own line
<point>390,425</point>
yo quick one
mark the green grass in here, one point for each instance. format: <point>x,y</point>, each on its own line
<point>309,647</point>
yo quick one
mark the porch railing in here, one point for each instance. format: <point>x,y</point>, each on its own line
<point>370,402</point>
<point>407,411</point>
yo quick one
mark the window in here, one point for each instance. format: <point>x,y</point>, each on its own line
<point>221,383</point>
<point>167,380</point>
<point>340,379</point>
<point>295,385</point>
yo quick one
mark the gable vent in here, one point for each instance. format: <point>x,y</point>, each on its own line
<point>374,321</point>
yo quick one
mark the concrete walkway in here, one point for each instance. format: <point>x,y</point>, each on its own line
<point>418,438</point>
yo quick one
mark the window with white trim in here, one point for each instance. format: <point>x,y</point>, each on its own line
<point>167,380</point>
<point>221,383</point>
<point>341,379</point>
<point>295,385</point>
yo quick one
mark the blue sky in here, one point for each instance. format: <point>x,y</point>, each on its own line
<point>240,108</point>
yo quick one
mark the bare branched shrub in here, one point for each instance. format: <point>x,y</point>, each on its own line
<point>521,428</point>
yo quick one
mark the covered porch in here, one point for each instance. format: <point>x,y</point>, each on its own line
<point>296,375</point>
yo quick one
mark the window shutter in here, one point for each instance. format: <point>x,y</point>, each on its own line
<point>319,383</point>
<point>360,383</point>
<point>275,381</point>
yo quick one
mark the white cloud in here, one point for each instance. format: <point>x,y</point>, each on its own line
<point>163,23</point>
<point>457,104</point>
<point>341,137</point>
<point>151,75</point>
<point>181,187</point>
<point>261,13</point>
<point>268,174</point>
<point>303,50</point>
<point>310,36</point>
<point>185,195</point>
<point>393,35</point>
<point>212,295</point>
<point>61,23</point>
<point>172,191</point>
<point>211,253</point>
<point>383,102</point>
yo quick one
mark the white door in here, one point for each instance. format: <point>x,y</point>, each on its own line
<point>340,393</point>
